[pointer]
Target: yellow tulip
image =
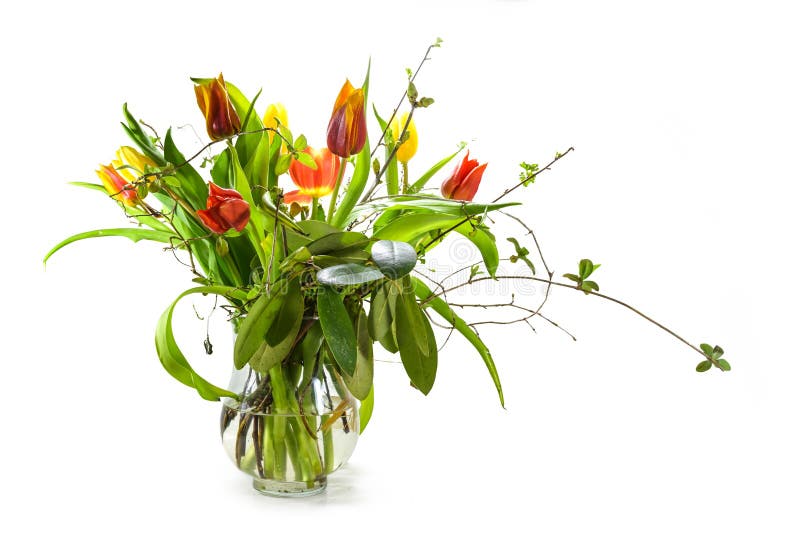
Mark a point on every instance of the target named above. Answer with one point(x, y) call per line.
point(132, 159)
point(409, 147)
point(275, 115)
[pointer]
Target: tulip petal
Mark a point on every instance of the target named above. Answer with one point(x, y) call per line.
point(297, 197)
point(236, 213)
point(337, 133)
point(217, 192)
point(212, 220)
point(467, 189)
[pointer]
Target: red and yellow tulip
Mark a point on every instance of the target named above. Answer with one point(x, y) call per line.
point(464, 181)
point(116, 185)
point(313, 183)
point(213, 100)
point(225, 209)
point(347, 129)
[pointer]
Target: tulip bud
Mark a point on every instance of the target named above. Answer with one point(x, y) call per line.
point(347, 129)
point(409, 146)
point(464, 181)
point(213, 100)
point(225, 209)
point(117, 187)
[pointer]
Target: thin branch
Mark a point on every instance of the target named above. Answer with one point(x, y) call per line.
point(533, 176)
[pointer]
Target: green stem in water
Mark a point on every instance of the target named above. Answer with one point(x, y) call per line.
point(335, 193)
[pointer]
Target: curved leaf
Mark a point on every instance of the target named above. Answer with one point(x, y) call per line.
point(440, 306)
point(485, 242)
point(338, 242)
point(170, 354)
point(394, 258)
point(348, 274)
point(365, 411)
point(134, 234)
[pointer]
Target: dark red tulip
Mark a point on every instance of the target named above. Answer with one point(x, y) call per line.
point(347, 129)
point(225, 209)
point(221, 118)
point(464, 182)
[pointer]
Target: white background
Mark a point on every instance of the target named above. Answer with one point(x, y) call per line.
point(684, 116)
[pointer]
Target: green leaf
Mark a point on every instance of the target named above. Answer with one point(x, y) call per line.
point(707, 349)
point(365, 411)
point(589, 286)
point(360, 384)
point(443, 309)
point(522, 254)
point(724, 365)
point(423, 180)
point(292, 306)
point(300, 144)
point(338, 329)
point(394, 258)
point(485, 242)
point(282, 166)
point(305, 159)
point(134, 234)
point(348, 256)
point(140, 138)
point(338, 242)
point(427, 204)
point(348, 274)
point(255, 325)
point(585, 268)
point(193, 187)
point(573, 277)
point(381, 311)
point(703, 365)
point(408, 228)
point(172, 358)
point(413, 339)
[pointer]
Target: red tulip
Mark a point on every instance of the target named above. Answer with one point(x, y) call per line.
point(464, 182)
point(115, 185)
point(221, 118)
point(347, 129)
point(225, 209)
point(313, 182)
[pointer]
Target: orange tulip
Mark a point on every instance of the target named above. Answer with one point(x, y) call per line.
point(464, 182)
point(313, 183)
point(221, 118)
point(115, 185)
point(347, 129)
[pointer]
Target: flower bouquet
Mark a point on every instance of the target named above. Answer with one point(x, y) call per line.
point(313, 277)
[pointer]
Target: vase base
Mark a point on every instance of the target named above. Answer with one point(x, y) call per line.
point(289, 489)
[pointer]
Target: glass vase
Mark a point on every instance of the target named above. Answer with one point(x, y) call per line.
point(291, 428)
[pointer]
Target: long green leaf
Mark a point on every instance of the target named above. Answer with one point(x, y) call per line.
point(423, 180)
point(440, 306)
point(140, 138)
point(408, 228)
point(172, 357)
point(136, 214)
point(134, 234)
